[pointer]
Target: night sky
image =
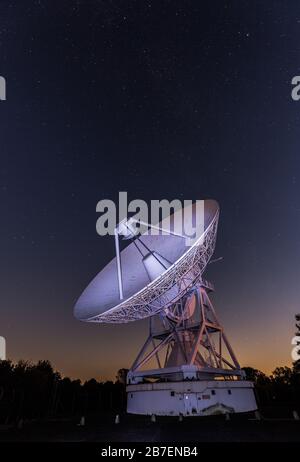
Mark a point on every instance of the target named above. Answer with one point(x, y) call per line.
point(162, 99)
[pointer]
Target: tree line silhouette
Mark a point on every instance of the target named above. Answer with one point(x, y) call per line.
point(37, 391)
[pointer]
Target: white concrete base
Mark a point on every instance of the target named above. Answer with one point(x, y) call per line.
point(191, 398)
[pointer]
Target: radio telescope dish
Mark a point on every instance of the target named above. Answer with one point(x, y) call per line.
point(153, 272)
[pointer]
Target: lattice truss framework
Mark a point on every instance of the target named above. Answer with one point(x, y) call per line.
point(184, 275)
point(201, 339)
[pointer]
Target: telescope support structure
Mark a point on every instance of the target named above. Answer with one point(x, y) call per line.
point(187, 365)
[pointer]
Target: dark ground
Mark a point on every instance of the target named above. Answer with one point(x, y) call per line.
point(165, 429)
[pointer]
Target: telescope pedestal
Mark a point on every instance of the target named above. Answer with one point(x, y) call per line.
point(187, 365)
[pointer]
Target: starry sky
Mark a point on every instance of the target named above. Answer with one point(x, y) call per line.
point(162, 99)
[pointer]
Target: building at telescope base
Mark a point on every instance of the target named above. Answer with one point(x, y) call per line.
point(190, 396)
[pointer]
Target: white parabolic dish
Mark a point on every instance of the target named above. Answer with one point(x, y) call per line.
point(100, 301)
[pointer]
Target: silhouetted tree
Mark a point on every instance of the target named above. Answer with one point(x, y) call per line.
point(122, 375)
point(282, 375)
point(262, 384)
point(256, 376)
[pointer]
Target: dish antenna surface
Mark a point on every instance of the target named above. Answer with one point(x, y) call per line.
point(186, 365)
